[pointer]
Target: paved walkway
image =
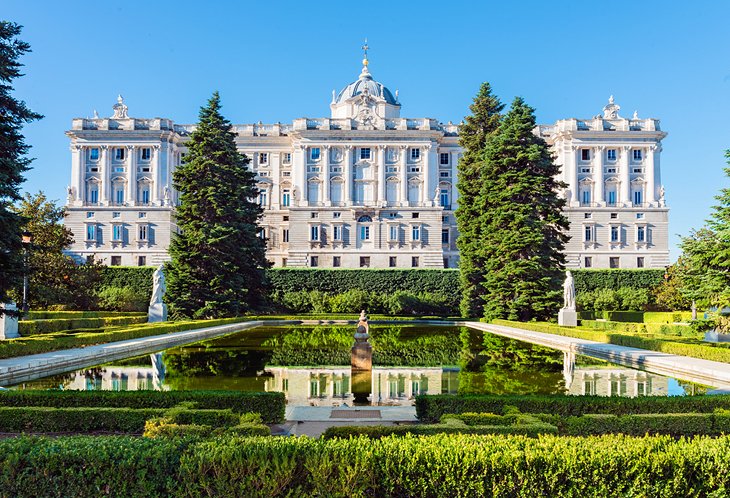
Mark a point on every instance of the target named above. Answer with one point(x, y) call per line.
point(23, 368)
point(314, 420)
point(712, 373)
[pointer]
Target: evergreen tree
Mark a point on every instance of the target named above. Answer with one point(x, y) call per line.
point(13, 163)
point(523, 230)
point(218, 259)
point(706, 253)
point(473, 135)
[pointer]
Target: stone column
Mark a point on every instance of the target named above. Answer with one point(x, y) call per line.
point(299, 176)
point(131, 175)
point(78, 174)
point(275, 201)
point(325, 174)
point(105, 175)
point(403, 175)
point(650, 179)
point(155, 188)
point(625, 195)
point(426, 187)
point(598, 175)
point(454, 172)
point(573, 176)
point(380, 193)
point(347, 176)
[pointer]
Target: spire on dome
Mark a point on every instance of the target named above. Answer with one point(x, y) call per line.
point(365, 73)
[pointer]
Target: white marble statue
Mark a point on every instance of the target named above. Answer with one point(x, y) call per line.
point(158, 286)
point(569, 292)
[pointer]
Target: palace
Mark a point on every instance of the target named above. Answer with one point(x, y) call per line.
point(364, 187)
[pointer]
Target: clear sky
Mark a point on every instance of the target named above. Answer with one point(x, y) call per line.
point(276, 61)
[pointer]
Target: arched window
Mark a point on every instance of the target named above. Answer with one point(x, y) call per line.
point(143, 192)
point(364, 219)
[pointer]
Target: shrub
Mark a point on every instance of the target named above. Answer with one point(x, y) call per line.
point(215, 418)
point(352, 301)
point(122, 299)
point(605, 300)
point(633, 299)
point(614, 279)
point(43, 419)
point(270, 406)
point(430, 408)
point(52, 315)
point(379, 431)
point(49, 326)
point(248, 429)
point(138, 278)
point(584, 301)
point(164, 427)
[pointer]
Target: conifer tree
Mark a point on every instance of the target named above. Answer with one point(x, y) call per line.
point(13, 161)
point(218, 259)
point(473, 135)
point(523, 230)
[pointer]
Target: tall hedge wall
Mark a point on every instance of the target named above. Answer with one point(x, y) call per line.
point(590, 280)
point(337, 281)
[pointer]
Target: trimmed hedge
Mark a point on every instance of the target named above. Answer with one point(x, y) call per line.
point(138, 278)
point(54, 315)
point(640, 328)
point(674, 424)
point(44, 419)
point(430, 408)
point(435, 466)
point(665, 317)
point(591, 280)
point(61, 340)
point(379, 431)
point(49, 326)
point(270, 405)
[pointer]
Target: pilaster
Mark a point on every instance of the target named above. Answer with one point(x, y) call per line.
point(598, 182)
point(325, 174)
point(347, 176)
point(131, 175)
point(105, 174)
point(403, 167)
point(650, 174)
point(624, 178)
point(380, 193)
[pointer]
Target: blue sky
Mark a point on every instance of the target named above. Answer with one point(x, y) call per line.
point(276, 61)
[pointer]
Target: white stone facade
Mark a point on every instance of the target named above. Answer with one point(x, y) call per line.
point(362, 188)
point(615, 200)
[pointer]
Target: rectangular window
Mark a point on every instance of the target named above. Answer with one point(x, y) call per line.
point(416, 232)
point(364, 233)
point(142, 232)
point(414, 261)
point(585, 170)
point(364, 152)
point(119, 153)
point(392, 261)
point(263, 158)
point(638, 198)
point(586, 197)
point(117, 232)
point(639, 216)
point(444, 158)
point(337, 232)
point(141, 260)
point(587, 216)
point(585, 154)
point(145, 195)
point(415, 154)
point(613, 262)
point(445, 236)
point(588, 233)
point(285, 235)
point(119, 169)
point(588, 262)
point(146, 153)
point(285, 198)
point(261, 233)
point(446, 262)
point(610, 170)
point(315, 153)
point(89, 214)
point(336, 261)
point(142, 214)
point(615, 234)
point(637, 155)
point(116, 261)
point(91, 232)
point(314, 261)
point(314, 233)
point(94, 154)
point(414, 215)
point(444, 198)
point(119, 195)
point(444, 219)
point(640, 262)
point(314, 215)
point(286, 158)
point(640, 234)
point(263, 197)
point(393, 233)
point(637, 170)
point(611, 154)
point(614, 216)
point(336, 214)
point(444, 174)
point(364, 261)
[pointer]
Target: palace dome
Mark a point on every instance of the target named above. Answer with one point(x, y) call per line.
point(366, 83)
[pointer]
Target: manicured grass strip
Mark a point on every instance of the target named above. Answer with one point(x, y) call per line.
point(48, 326)
point(435, 466)
point(431, 408)
point(664, 345)
point(271, 406)
point(64, 340)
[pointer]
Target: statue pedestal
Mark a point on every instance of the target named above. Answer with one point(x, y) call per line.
point(568, 318)
point(362, 356)
point(157, 313)
point(9, 324)
point(361, 386)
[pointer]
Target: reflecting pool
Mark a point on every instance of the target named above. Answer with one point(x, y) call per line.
point(311, 364)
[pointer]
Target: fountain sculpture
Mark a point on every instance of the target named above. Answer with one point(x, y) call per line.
point(362, 361)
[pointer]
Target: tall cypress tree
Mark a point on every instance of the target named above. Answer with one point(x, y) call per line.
point(523, 227)
point(218, 260)
point(473, 135)
point(13, 161)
